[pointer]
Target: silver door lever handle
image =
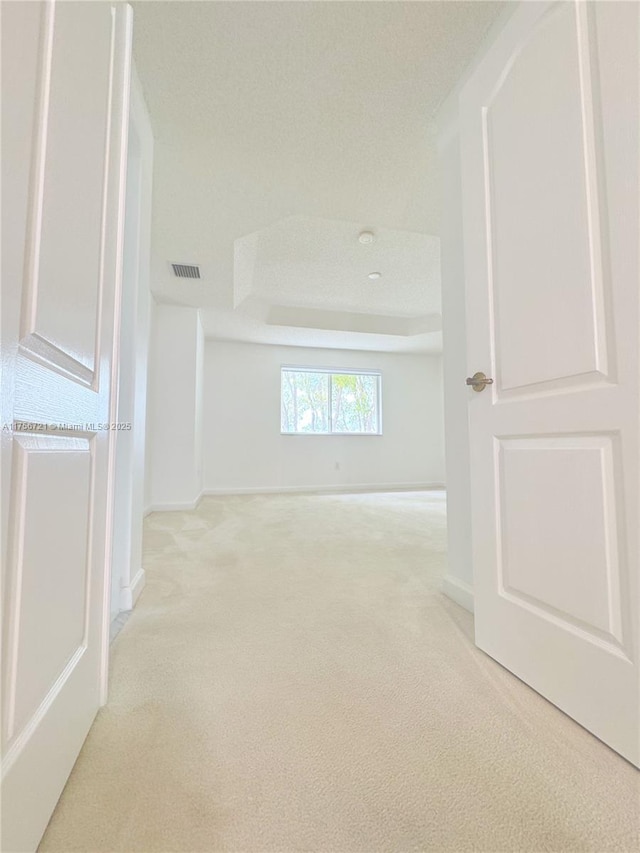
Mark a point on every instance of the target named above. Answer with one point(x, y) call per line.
point(479, 381)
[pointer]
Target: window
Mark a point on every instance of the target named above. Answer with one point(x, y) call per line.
point(324, 402)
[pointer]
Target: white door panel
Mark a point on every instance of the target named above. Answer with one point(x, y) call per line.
point(73, 184)
point(526, 165)
point(541, 562)
point(549, 130)
point(40, 647)
point(65, 102)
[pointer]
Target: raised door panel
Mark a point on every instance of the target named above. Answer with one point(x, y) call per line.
point(560, 554)
point(65, 249)
point(542, 159)
point(49, 571)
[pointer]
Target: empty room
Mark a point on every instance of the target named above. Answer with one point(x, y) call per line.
point(320, 426)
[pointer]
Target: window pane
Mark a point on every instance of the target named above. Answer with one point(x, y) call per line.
point(354, 403)
point(305, 401)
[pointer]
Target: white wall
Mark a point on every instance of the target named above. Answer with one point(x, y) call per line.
point(153, 307)
point(243, 447)
point(127, 576)
point(199, 405)
point(458, 582)
point(174, 461)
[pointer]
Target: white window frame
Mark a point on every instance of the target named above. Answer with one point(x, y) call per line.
point(348, 371)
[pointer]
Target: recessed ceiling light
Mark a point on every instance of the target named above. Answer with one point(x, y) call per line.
point(366, 237)
point(374, 275)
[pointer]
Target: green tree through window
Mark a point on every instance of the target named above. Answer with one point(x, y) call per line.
point(323, 402)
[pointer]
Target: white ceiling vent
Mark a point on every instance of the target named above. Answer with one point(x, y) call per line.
point(186, 270)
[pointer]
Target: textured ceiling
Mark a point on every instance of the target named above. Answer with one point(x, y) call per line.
point(319, 263)
point(271, 114)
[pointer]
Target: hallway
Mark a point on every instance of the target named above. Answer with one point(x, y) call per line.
point(293, 679)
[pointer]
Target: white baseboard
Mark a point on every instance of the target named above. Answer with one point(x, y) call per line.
point(137, 585)
point(296, 490)
point(458, 591)
point(341, 489)
point(177, 507)
point(130, 594)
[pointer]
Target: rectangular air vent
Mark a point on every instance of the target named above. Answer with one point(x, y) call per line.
point(186, 270)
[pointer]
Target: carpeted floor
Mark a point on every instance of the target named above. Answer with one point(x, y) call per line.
point(293, 680)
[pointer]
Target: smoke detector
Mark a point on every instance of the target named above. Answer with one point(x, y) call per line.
point(374, 275)
point(366, 237)
point(186, 270)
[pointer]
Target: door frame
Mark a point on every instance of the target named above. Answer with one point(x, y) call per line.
point(115, 362)
point(126, 563)
point(458, 582)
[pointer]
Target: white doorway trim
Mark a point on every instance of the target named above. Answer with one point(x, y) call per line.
point(127, 573)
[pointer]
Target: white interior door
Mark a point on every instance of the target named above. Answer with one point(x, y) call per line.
point(549, 146)
point(65, 79)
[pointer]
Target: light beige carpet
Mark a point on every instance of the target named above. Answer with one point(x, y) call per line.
point(293, 680)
